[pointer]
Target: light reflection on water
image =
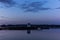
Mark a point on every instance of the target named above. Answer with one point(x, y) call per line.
point(51, 34)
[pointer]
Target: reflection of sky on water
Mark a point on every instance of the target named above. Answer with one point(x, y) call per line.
point(52, 34)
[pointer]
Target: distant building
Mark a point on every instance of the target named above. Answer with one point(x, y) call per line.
point(28, 25)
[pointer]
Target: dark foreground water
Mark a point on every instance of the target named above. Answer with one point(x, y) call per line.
point(51, 34)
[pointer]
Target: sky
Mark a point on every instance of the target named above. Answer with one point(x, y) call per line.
point(30, 11)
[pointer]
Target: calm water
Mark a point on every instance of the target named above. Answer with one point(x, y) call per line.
point(51, 34)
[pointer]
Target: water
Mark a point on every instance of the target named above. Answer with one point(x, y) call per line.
point(51, 34)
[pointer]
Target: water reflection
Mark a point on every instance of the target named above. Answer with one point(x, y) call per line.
point(51, 34)
point(28, 31)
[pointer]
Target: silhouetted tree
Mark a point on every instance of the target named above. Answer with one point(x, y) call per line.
point(3, 25)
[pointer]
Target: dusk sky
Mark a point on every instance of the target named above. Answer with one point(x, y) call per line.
point(33, 11)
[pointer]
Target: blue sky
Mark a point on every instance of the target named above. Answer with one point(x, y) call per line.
point(46, 13)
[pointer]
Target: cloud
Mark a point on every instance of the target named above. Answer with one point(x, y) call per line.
point(27, 7)
point(44, 8)
point(59, 0)
point(34, 6)
point(7, 2)
point(3, 17)
point(58, 8)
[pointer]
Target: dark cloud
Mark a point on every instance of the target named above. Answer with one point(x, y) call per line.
point(34, 6)
point(36, 10)
point(7, 2)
